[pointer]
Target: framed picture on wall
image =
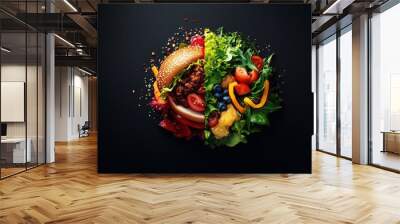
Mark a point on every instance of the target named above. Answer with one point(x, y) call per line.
point(205, 88)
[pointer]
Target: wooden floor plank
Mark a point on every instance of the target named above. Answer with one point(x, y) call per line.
point(71, 191)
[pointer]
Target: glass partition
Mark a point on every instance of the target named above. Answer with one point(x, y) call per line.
point(14, 152)
point(22, 101)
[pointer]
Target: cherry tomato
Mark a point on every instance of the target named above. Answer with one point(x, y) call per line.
point(242, 89)
point(241, 75)
point(189, 123)
point(257, 61)
point(253, 76)
point(212, 122)
point(197, 40)
point(195, 102)
point(213, 119)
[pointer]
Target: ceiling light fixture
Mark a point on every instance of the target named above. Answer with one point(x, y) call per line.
point(70, 5)
point(331, 7)
point(337, 7)
point(65, 41)
point(5, 50)
point(84, 71)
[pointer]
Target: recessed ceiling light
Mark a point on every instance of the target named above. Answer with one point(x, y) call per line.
point(84, 71)
point(5, 50)
point(338, 6)
point(64, 40)
point(70, 5)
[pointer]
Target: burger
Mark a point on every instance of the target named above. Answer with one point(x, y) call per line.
point(179, 90)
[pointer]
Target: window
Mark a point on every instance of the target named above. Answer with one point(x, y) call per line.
point(327, 95)
point(346, 92)
point(385, 88)
point(334, 106)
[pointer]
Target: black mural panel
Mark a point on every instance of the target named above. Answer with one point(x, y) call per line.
point(274, 138)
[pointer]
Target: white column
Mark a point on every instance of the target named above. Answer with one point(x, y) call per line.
point(50, 99)
point(360, 90)
point(50, 92)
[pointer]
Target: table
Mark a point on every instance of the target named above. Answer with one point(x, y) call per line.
point(391, 141)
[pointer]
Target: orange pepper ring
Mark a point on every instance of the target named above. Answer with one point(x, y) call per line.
point(235, 102)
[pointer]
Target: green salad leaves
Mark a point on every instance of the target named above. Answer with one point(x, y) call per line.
point(224, 51)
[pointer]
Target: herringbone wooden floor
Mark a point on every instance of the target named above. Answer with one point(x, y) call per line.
point(70, 191)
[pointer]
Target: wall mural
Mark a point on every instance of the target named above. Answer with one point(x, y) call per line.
point(204, 88)
point(214, 86)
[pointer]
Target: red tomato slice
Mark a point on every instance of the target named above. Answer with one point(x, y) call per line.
point(257, 61)
point(168, 125)
point(253, 76)
point(242, 89)
point(178, 129)
point(241, 75)
point(183, 131)
point(195, 102)
point(189, 123)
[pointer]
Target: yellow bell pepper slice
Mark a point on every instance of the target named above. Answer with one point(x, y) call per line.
point(233, 97)
point(156, 90)
point(154, 69)
point(157, 93)
point(263, 100)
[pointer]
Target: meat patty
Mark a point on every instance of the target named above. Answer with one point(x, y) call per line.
point(191, 83)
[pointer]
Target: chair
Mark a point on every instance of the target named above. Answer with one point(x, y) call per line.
point(84, 130)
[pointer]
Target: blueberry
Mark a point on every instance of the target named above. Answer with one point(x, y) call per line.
point(227, 99)
point(217, 89)
point(225, 93)
point(218, 95)
point(221, 106)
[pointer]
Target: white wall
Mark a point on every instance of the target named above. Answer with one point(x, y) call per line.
point(62, 82)
point(81, 97)
point(71, 102)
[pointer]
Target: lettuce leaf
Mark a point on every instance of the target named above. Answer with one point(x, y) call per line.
point(258, 86)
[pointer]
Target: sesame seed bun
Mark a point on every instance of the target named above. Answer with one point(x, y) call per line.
point(176, 62)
